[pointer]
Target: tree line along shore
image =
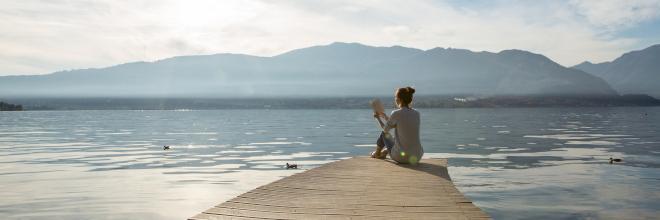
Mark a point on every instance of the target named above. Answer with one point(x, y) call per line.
point(10, 107)
point(454, 101)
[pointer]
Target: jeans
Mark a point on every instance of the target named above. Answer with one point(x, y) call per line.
point(384, 141)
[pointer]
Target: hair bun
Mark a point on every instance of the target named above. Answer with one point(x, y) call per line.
point(411, 90)
point(404, 96)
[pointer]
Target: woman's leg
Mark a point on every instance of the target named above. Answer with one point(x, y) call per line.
point(382, 142)
point(389, 143)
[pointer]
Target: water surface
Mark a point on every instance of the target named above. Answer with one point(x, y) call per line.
point(515, 163)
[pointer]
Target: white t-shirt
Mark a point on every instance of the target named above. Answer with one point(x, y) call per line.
point(407, 147)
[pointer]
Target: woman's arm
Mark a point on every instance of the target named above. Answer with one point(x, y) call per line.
point(389, 126)
point(378, 118)
point(391, 122)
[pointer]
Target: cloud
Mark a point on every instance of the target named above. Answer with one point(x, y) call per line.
point(45, 36)
point(615, 14)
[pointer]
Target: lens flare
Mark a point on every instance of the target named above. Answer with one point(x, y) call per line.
point(413, 160)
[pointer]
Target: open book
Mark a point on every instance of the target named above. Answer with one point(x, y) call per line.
point(379, 109)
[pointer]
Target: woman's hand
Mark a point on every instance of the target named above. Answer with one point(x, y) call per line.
point(381, 114)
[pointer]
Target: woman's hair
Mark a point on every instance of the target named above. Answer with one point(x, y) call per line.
point(405, 95)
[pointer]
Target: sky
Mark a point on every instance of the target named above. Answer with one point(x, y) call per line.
point(44, 36)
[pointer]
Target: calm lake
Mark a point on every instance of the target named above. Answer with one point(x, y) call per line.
point(515, 163)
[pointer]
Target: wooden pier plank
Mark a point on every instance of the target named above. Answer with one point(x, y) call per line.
point(355, 188)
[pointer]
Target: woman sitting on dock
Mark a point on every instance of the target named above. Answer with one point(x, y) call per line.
point(405, 147)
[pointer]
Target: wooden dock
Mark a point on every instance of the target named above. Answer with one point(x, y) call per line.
point(356, 188)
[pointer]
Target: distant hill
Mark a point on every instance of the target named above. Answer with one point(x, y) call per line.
point(636, 72)
point(338, 69)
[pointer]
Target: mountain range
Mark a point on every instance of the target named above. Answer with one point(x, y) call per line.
point(334, 70)
point(635, 72)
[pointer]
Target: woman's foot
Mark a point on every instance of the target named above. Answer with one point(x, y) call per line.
point(377, 153)
point(383, 154)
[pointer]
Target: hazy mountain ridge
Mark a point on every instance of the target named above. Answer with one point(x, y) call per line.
point(635, 72)
point(338, 69)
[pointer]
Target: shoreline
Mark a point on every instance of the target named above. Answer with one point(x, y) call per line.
point(449, 102)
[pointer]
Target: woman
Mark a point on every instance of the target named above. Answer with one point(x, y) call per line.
point(405, 146)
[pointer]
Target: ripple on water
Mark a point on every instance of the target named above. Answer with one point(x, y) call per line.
point(592, 143)
point(191, 133)
point(564, 153)
point(280, 143)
